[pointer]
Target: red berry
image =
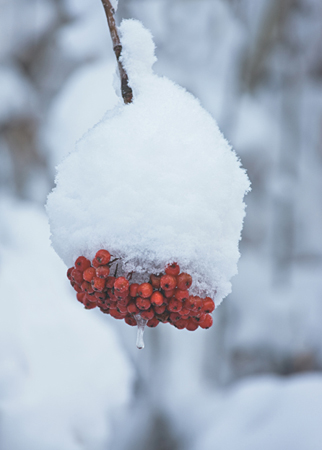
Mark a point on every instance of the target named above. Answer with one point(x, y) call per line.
point(198, 304)
point(121, 284)
point(86, 287)
point(98, 284)
point(145, 290)
point(82, 263)
point(181, 324)
point(132, 308)
point(172, 269)
point(80, 296)
point(184, 311)
point(143, 303)
point(169, 294)
point(134, 289)
point(88, 304)
point(77, 276)
point(148, 314)
point(208, 305)
point(168, 282)
point(77, 287)
point(152, 323)
point(157, 298)
point(174, 305)
point(184, 281)
point(207, 322)
point(191, 326)
point(190, 302)
point(159, 309)
point(69, 273)
point(155, 281)
point(199, 317)
point(89, 274)
point(100, 296)
point(130, 321)
point(174, 316)
point(116, 314)
point(181, 295)
point(110, 282)
point(91, 298)
point(102, 257)
point(121, 295)
point(164, 317)
point(121, 308)
point(102, 271)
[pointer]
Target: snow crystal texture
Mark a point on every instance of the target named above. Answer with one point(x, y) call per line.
point(154, 182)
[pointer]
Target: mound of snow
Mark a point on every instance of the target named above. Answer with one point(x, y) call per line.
point(154, 182)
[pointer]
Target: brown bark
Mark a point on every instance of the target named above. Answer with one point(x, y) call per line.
point(117, 47)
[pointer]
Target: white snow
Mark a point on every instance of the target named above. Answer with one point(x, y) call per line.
point(63, 375)
point(154, 182)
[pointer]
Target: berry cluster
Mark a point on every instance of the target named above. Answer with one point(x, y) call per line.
point(165, 298)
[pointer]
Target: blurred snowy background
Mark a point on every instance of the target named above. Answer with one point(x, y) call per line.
point(72, 379)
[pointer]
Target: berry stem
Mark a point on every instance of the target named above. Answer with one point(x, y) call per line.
point(117, 47)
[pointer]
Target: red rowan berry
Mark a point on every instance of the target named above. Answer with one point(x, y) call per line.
point(130, 321)
point(98, 284)
point(88, 304)
point(198, 304)
point(184, 311)
point(69, 273)
point(169, 294)
point(184, 281)
point(77, 276)
point(82, 263)
point(102, 271)
point(207, 322)
point(89, 274)
point(121, 295)
point(132, 308)
point(159, 309)
point(77, 287)
point(152, 323)
point(208, 305)
point(145, 290)
point(80, 297)
point(121, 308)
point(86, 287)
point(142, 303)
point(91, 298)
point(174, 305)
point(191, 326)
point(157, 298)
point(116, 314)
point(155, 281)
point(121, 284)
point(102, 257)
point(168, 282)
point(172, 269)
point(190, 302)
point(148, 314)
point(181, 295)
point(134, 289)
point(181, 324)
point(100, 296)
point(198, 318)
point(174, 316)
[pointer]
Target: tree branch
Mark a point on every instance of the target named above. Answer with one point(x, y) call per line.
point(117, 47)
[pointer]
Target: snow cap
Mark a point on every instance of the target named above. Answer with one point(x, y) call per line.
point(154, 182)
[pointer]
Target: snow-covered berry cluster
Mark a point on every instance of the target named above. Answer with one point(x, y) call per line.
point(165, 298)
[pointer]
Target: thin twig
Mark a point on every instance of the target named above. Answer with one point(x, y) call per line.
point(117, 47)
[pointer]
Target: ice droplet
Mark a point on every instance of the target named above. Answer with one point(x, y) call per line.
point(141, 326)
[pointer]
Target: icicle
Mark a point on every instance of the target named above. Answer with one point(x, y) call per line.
point(141, 326)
